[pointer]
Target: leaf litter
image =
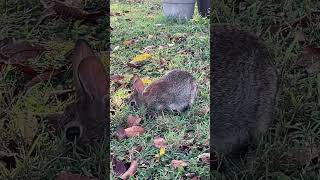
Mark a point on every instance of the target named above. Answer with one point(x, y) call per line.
point(122, 169)
point(59, 8)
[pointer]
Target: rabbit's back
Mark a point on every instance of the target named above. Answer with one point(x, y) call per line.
point(176, 90)
point(244, 85)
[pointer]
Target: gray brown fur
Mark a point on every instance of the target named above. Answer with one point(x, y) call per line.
point(88, 112)
point(175, 91)
point(243, 90)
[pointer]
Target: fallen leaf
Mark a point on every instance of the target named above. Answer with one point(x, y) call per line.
point(148, 49)
point(133, 65)
point(191, 176)
point(146, 80)
point(64, 175)
point(186, 52)
point(119, 167)
point(121, 133)
point(178, 38)
point(178, 163)
point(131, 171)
point(302, 21)
point(116, 78)
point(45, 76)
point(310, 60)
point(133, 120)
point(203, 110)
point(134, 131)
point(305, 154)
point(162, 46)
point(159, 142)
point(204, 158)
point(162, 151)
point(16, 52)
point(128, 42)
point(140, 58)
point(59, 8)
point(26, 69)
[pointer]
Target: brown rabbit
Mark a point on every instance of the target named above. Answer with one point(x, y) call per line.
point(243, 89)
point(175, 91)
point(85, 119)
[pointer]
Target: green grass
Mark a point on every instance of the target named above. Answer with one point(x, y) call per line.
point(145, 22)
point(43, 156)
point(297, 120)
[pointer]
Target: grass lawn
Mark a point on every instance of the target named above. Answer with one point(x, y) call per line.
point(140, 27)
point(290, 150)
point(27, 149)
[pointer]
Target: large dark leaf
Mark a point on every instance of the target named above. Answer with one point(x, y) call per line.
point(45, 76)
point(59, 8)
point(15, 52)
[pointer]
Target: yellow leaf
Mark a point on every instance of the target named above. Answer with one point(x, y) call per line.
point(141, 57)
point(162, 151)
point(146, 81)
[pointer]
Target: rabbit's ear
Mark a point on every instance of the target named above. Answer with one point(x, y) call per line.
point(92, 77)
point(137, 84)
point(81, 51)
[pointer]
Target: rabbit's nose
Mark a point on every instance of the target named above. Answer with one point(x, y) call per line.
point(73, 133)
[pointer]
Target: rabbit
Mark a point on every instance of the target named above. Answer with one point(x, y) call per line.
point(175, 91)
point(243, 89)
point(85, 119)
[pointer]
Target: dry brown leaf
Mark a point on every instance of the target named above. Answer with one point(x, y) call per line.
point(69, 11)
point(133, 120)
point(131, 171)
point(15, 52)
point(204, 158)
point(128, 42)
point(203, 110)
point(134, 131)
point(116, 78)
point(178, 163)
point(133, 65)
point(310, 60)
point(121, 133)
point(159, 142)
point(45, 76)
point(304, 155)
point(64, 175)
point(119, 167)
point(26, 69)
